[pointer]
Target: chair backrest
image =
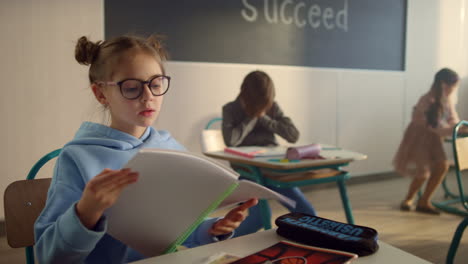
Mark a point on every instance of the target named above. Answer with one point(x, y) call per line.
point(212, 139)
point(23, 202)
point(460, 154)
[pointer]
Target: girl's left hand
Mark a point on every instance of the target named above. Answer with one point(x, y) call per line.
point(233, 219)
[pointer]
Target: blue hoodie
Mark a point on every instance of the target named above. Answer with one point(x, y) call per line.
point(60, 236)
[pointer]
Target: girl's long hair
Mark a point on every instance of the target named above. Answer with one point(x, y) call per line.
point(436, 109)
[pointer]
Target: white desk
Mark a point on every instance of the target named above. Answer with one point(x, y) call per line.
point(246, 245)
point(334, 158)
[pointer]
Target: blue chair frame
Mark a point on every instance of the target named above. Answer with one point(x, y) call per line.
point(449, 205)
point(29, 250)
point(213, 121)
point(253, 173)
point(447, 192)
point(462, 198)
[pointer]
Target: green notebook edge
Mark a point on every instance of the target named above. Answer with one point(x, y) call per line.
point(200, 219)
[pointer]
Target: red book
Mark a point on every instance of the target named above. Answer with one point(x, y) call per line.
point(285, 252)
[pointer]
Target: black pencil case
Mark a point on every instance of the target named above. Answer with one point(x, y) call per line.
point(326, 233)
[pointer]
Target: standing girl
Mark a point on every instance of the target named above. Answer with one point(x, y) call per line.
point(254, 119)
point(127, 77)
point(421, 154)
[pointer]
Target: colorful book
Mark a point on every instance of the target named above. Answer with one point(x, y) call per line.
point(285, 252)
point(175, 192)
point(257, 151)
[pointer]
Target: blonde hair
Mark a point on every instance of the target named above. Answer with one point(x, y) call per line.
point(103, 56)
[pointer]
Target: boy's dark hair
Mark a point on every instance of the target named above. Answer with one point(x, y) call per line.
point(257, 93)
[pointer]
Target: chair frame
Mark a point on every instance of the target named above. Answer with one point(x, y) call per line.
point(212, 121)
point(447, 192)
point(29, 250)
point(447, 205)
point(461, 198)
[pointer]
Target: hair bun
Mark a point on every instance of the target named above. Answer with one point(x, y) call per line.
point(157, 42)
point(86, 51)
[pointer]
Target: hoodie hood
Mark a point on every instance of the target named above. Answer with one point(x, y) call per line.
point(97, 146)
point(97, 134)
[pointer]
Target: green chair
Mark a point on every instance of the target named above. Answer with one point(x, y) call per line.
point(24, 201)
point(212, 139)
point(460, 153)
point(288, 179)
point(447, 192)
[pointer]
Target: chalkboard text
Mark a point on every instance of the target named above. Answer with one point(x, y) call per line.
point(290, 12)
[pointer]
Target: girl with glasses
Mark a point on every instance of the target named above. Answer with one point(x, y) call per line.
point(127, 77)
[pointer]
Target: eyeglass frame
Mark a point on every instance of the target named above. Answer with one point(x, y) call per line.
point(119, 83)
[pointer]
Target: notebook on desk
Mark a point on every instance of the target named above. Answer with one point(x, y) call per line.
point(258, 151)
point(173, 195)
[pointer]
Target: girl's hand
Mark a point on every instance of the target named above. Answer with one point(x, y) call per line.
point(101, 193)
point(233, 219)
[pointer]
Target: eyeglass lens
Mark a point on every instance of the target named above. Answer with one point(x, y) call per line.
point(132, 89)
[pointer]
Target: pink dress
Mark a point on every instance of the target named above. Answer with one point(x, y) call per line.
point(421, 145)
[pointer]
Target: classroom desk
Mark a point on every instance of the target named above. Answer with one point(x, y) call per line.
point(249, 244)
point(254, 169)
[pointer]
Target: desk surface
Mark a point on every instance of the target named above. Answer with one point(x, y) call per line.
point(246, 245)
point(332, 157)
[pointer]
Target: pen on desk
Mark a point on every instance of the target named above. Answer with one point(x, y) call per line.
point(333, 148)
point(283, 160)
point(257, 151)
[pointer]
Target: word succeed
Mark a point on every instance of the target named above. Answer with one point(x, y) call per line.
point(297, 13)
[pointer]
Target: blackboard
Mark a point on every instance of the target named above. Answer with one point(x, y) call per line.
point(357, 34)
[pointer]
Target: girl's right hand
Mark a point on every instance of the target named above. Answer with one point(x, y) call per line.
point(101, 193)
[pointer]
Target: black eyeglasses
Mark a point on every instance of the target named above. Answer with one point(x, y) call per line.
point(133, 88)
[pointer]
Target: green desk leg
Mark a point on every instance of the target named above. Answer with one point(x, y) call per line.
point(456, 240)
point(266, 214)
point(254, 173)
point(345, 200)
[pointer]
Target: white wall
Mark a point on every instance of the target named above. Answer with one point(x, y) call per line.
point(46, 95)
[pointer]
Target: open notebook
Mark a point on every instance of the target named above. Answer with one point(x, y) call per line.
point(174, 194)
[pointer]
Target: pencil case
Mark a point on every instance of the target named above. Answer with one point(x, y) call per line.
point(326, 233)
point(303, 152)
